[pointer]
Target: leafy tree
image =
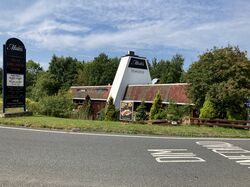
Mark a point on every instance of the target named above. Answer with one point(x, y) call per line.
point(141, 112)
point(176, 69)
point(64, 70)
point(223, 75)
point(168, 71)
point(100, 71)
point(46, 85)
point(33, 69)
point(110, 111)
point(156, 108)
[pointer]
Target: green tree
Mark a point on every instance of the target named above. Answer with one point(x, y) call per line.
point(33, 69)
point(208, 110)
point(64, 70)
point(46, 85)
point(168, 71)
point(156, 108)
point(110, 111)
point(223, 75)
point(141, 112)
point(100, 71)
point(176, 69)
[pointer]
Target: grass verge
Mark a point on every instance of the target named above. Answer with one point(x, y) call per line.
point(119, 127)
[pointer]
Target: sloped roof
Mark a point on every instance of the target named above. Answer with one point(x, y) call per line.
point(169, 92)
point(94, 92)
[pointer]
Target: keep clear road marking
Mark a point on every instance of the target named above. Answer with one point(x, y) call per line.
point(227, 150)
point(174, 155)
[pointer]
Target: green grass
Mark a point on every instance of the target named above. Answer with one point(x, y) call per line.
point(125, 128)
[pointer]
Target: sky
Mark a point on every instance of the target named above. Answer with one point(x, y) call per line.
point(159, 28)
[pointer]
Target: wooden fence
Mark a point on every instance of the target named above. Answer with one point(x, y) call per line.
point(241, 124)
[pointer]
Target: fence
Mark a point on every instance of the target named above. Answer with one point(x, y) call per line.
point(241, 124)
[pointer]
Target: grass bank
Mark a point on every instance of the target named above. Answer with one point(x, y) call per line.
point(119, 127)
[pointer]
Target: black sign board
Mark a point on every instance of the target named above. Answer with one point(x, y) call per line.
point(14, 74)
point(137, 63)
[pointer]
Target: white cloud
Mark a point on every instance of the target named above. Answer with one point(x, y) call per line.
point(136, 24)
point(36, 11)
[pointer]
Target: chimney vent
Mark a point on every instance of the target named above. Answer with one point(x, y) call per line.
point(131, 53)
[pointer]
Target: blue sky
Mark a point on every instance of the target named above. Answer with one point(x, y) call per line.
point(157, 28)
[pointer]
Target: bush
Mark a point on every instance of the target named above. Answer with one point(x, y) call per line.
point(86, 110)
point(101, 115)
point(140, 114)
point(208, 110)
point(32, 106)
point(59, 105)
point(156, 108)
point(175, 112)
point(111, 114)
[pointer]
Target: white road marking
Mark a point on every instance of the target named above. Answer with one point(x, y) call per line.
point(174, 156)
point(229, 151)
point(119, 135)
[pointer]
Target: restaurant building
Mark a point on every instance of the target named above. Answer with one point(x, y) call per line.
point(132, 84)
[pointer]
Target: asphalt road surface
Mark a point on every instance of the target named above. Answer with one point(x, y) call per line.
point(43, 158)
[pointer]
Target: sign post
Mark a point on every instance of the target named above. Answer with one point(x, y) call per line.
point(14, 74)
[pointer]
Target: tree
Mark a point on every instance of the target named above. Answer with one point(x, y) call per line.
point(64, 70)
point(33, 69)
point(222, 74)
point(100, 71)
point(110, 111)
point(46, 85)
point(176, 69)
point(156, 108)
point(141, 112)
point(208, 110)
point(168, 71)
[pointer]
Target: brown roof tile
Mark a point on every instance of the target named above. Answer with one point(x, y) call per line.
point(169, 92)
point(95, 92)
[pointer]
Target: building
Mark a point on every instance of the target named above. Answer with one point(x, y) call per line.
point(132, 84)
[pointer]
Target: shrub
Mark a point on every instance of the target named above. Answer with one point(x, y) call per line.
point(59, 105)
point(111, 114)
point(156, 108)
point(32, 105)
point(140, 114)
point(175, 112)
point(86, 110)
point(208, 110)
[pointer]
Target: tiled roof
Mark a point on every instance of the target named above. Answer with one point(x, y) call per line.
point(169, 92)
point(94, 92)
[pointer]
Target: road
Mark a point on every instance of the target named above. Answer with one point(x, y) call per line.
point(44, 158)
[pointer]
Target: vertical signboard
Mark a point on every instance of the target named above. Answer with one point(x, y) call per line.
point(126, 110)
point(14, 74)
